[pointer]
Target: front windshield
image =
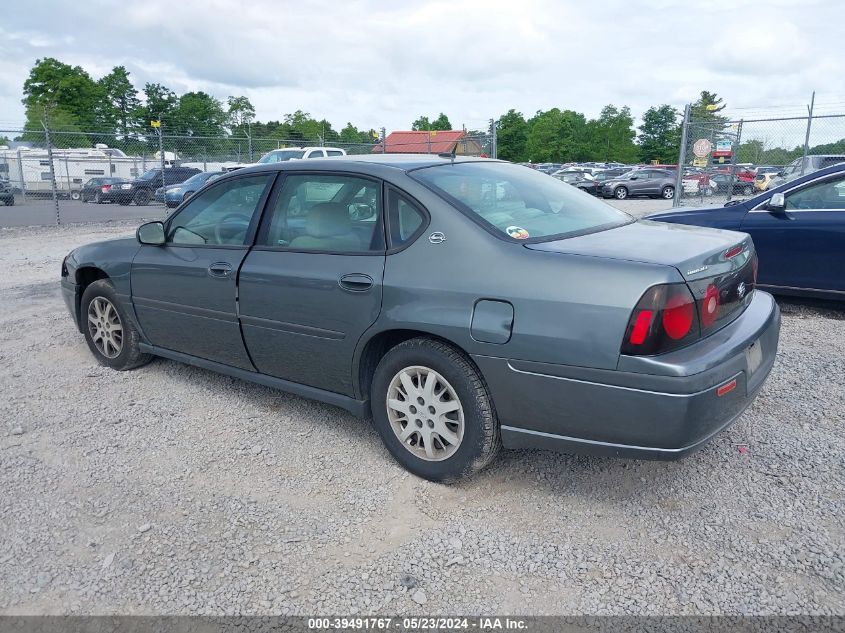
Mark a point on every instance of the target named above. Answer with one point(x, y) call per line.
point(196, 179)
point(519, 203)
point(281, 155)
point(149, 175)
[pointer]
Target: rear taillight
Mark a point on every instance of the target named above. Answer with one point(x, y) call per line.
point(105, 188)
point(665, 319)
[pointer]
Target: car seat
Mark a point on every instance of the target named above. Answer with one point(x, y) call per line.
point(328, 228)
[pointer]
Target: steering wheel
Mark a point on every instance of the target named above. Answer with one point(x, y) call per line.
point(227, 219)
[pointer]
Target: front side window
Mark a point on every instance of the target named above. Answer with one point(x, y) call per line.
point(329, 213)
point(828, 194)
point(219, 215)
point(517, 203)
point(317, 153)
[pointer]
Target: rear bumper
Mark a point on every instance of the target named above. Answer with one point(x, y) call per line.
point(666, 413)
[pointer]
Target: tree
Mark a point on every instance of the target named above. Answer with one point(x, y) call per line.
point(63, 96)
point(160, 102)
point(240, 115)
point(705, 120)
point(511, 136)
point(440, 123)
point(556, 136)
point(120, 108)
point(612, 135)
point(660, 135)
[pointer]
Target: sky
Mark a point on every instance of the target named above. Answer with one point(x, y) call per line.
point(384, 63)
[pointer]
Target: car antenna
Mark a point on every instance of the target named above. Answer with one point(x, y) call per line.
point(450, 155)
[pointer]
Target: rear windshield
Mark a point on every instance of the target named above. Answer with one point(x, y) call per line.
point(519, 203)
point(280, 156)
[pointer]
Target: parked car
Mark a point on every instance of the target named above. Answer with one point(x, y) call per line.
point(7, 195)
point(93, 189)
point(742, 185)
point(294, 153)
point(578, 180)
point(141, 190)
point(764, 180)
point(174, 195)
point(348, 281)
point(798, 229)
point(808, 164)
point(641, 182)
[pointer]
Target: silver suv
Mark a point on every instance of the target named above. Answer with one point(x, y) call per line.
point(641, 182)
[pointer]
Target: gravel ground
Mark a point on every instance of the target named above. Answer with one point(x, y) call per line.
point(172, 490)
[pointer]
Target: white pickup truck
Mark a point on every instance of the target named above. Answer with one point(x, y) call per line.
point(294, 153)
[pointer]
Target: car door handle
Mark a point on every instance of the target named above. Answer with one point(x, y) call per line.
point(220, 269)
point(356, 282)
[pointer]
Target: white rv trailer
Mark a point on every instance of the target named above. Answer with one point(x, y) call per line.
point(28, 169)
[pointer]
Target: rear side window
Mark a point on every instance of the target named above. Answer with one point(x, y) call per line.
point(517, 203)
point(405, 219)
point(317, 153)
point(328, 213)
point(334, 152)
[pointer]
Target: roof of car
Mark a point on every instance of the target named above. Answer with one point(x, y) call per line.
point(404, 162)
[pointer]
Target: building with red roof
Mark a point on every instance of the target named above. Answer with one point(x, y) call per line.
point(430, 142)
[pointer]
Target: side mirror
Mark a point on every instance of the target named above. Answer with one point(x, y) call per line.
point(634, 177)
point(151, 233)
point(777, 203)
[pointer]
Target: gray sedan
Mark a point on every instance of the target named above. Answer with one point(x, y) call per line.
point(464, 304)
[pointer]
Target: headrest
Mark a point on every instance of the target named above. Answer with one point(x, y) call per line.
point(328, 219)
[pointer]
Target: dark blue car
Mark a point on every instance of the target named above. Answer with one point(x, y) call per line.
point(798, 230)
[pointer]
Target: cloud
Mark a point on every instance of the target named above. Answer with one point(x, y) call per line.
point(383, 64)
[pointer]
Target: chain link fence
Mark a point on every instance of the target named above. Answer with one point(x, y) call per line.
point(55, 176)
point(724, 158)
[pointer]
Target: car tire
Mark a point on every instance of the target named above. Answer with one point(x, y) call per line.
point(110, 334)
point(709, 191)
point(75, 195)
point(747, 190)
point(97, 199)
point(142, 197)
point(668, 192)
point(467, 413)
point(620, 193)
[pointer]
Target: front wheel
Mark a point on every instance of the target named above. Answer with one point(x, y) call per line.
point(668, 193)
point(432, 409)
point(75, 195)
point(110, 335)
point(620, 193)
point(747, 190)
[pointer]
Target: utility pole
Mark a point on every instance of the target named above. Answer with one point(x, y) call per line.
point(679, 178)
point(157, 125)
point(383, 140)
point(807, 136)
point(46, 124)
point(493, 148)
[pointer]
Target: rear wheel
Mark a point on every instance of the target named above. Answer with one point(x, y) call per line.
point(110, 335)
point(433, 412)
point(142, 198)
point(668, 192)
point(620, 193)
point(75, 195)
point(747, 190)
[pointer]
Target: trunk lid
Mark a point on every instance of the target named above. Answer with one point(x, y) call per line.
point(695, 252)
point(713, 262)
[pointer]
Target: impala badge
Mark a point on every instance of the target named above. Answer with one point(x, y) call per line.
point(697, 270)
point(437, 237)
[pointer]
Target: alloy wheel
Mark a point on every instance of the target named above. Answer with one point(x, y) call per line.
point(668, 193)
point(621, 193)
point(105, 327)
point(425, 413)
